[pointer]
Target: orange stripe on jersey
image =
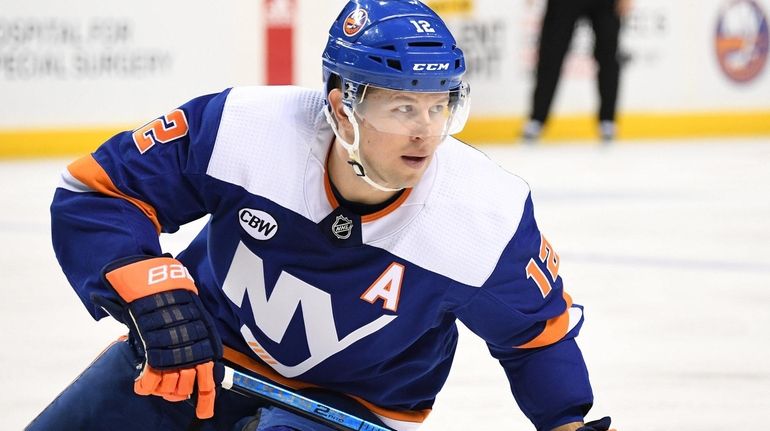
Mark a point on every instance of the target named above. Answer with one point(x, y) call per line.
point(238, 358)
point(329, 194)
point(417, 416)
point(555, 329)
point(369, 217)
point(388, 209)
point(89, 172)
point(327, 184)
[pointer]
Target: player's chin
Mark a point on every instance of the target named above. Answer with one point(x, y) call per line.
point(408, 180)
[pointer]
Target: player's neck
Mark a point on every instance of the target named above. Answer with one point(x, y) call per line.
point(348, 184)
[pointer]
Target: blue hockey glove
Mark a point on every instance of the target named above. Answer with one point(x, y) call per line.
point(158, 301)
point(602, 424)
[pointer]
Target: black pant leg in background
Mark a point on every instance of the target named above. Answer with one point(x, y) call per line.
point(555, 37)
point(606, 25)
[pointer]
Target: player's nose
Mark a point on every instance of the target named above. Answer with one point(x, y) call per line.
point(421, 128)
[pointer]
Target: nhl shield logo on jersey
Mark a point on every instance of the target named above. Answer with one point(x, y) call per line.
point(354, 22)
point(342, 227)
point(258, 224)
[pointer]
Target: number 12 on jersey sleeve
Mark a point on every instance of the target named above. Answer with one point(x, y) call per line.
point(548, 256)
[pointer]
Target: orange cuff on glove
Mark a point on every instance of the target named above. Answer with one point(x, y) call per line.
point(150, 276)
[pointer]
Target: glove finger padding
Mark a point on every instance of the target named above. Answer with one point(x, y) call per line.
point(207, 393)
point(181, 342)
point(148, 381)
point(183, 333)
point(186, 383)
point(178, 385)
point(166, 308)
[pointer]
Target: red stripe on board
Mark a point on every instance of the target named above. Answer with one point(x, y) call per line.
point(279, 45)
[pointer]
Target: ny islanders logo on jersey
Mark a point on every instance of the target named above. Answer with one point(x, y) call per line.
point(289, 296)
point(354, 22)
point(258, 224)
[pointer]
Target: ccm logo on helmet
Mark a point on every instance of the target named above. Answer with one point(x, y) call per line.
point(430, 66)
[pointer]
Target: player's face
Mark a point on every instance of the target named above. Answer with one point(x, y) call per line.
point(400, 132)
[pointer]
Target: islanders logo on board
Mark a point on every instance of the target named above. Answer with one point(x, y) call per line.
point(742, 40)
point(354, 22)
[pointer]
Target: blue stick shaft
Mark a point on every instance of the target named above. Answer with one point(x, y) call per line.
point(250, 385)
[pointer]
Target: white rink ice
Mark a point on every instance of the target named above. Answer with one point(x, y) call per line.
point(667, 244)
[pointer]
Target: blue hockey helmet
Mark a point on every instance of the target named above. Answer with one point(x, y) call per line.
point(393, 44)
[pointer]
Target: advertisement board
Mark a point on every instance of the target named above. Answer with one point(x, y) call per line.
point(72, 74)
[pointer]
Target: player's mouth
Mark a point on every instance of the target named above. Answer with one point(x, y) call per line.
point(414, 161)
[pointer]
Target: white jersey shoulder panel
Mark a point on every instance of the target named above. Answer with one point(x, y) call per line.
point(272, 141)
point(264, 141)
point(473, 211)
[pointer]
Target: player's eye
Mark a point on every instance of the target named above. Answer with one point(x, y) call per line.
point(437, 109)
point(404, 109)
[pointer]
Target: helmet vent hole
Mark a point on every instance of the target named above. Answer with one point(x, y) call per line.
point(457, 64)
point(426, 44)
point(414, 83)
point(395, 64)
point(375, 58)
point(389, 47)
point(443, 82)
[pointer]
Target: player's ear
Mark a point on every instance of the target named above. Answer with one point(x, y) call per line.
point(338, 111)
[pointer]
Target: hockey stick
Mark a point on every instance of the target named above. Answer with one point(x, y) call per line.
point(249, 385)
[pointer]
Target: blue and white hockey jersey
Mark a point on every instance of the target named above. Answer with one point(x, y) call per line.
point(313, 293)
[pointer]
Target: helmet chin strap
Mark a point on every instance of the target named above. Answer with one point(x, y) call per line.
point(353, 154)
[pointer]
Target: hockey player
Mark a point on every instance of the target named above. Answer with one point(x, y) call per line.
point(347, 234)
